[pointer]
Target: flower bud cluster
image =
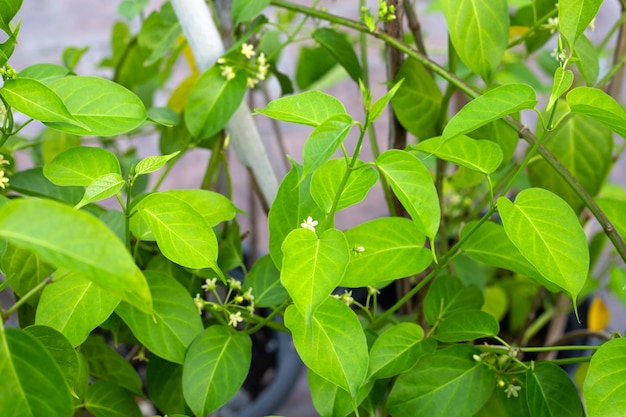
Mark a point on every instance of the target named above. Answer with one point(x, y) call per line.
point(237, 301)
point(4, 181)
point(255, 66)
point(8, 72)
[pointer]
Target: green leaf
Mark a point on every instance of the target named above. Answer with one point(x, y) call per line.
point(313, 267)
point(216, 365)
point(212, 101)
point(292, 205)
point(183, 235)
point(385, 249)
point(447, 296)
point(316, 67)
point(105, 399)
point(563, 80)
point(153, 163)
point(107, 364)
point(103, 187)
point(598, 105)
point(413, 185)
point(81, 166)
point(478, 155)
point(164, 381)
point(33, 385)
point(491, 245)
point(341, 49)
point(38, 101)
point(44, 73)
point(174, 323)
point(603, 387)
point(55, 142)
point(214, 207)
point(8, 10)
point(379, 105)
point(583, 146)
point(104, 107)
point(418, 101)
point(547, 232)
point(32, 182)
point(324, 141)
point(447, 383)
point(244, 10)
point(61, 351)
point(74, 306)
point(23, 271)
point(551, 392)
point(466, 325)
point(614, 209)
point(326, 179)
point(479, 31)
point(575, 16)
point(336, 336)
point(396, 350)
point(264, 279)
point(82, 244)
point(308, 108)
point(159, 32)
point(588, 63)
point(492, 105)
point(498, 132)
point(330, 400)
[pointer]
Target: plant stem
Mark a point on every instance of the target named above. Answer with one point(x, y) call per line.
point(26, 296)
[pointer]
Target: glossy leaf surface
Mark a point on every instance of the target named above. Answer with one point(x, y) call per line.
point(102, 188)
point(81, 166)
point(341, 49)
point(447, 383)
point(493, 105)
point(104, 107)
point(264, 279)
point(547, 232)
point(215, 367)
point(479, 155)
point(605, 380)
point(106, 399)
point(575, 16)
point(153, 163)
point(466, 325)
point(447, 295)
point(413, 185)
point(384, 249)
point(324, 141)
point(313, 267)
point(479, 30)
point(83, 244)
point(308, 108)
point(334, 347)
point(174, 322)
point(598, 105)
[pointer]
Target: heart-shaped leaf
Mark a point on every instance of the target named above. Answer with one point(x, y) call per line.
point(479, 155)
point(308, 108)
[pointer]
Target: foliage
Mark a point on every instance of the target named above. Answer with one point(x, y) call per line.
point(439, 308)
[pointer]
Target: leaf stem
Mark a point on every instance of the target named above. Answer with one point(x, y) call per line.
point(26, 296)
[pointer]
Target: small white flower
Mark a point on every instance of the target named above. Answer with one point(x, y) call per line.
point(252, 82)
point(309, 223)
point(358, 249)
point(512, 391)
point(228, 72)
point(209, 284)
point(248, 296)
point(234, 319)
point(552, 25)
point(234, 284)
point(247, 50)
point(592, 25)
point(372, 291)
point(199, 302)
point(221, 60)
point(4, 180)
point(261, 60)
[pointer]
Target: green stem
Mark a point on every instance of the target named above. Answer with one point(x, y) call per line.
point(267, 321)
point(531, 30)
point(26, 296)
point(168, 168)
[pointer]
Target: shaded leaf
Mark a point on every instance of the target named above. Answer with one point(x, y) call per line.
point(244, 10)
point(324, 141)
point(563, 80)
point(339, 47)
point(447, 383)
point(215, 367)
point(396, 350)
point(551, 392)
point(105, 399)
point(575, 16)
point(164, 381)
point(588, 64)
point(264, 279)
point(174, 322)
point(466, 325)
point(417, 102)
point(447, 295)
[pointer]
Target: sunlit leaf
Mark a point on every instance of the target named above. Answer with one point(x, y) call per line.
point(102, 188)
point(603, 387)
point(81, 166)
point(598, 105)
point(575, 16)
point(466, 325)
point(308, 108)
point(396, 350)
point(324, 141)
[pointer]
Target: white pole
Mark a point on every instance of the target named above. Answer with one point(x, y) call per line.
point(207, 46)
